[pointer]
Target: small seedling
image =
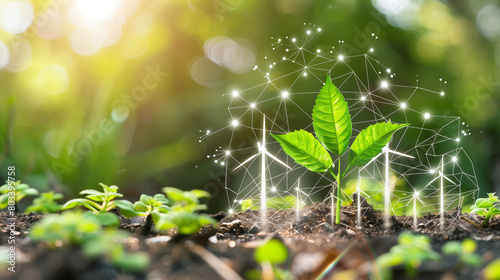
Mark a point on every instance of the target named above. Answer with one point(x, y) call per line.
point(464, 250)
point(182, 214)
point(410, 252)
point(99, 203)
point(270, 255)
point(487, 207)
point(46, 203)
point(333, 127)
point(85, 230)
point(144, 207)
point(14, 191)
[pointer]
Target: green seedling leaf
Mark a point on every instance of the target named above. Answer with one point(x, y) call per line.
point(81, 202)
point(127, 208)
point(452, 248)
point(370, 141)
point(178, 195)
point(492, 270)
point(108, 219)
point(146, 199)
point(139, 206)
point(200, 194)
point(273, 251)
point(331, 119)
point(46, 203)
point(305, 150)
point(132, 262)
point(185, 222)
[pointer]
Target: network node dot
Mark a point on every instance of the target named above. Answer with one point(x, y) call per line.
point(427, 116)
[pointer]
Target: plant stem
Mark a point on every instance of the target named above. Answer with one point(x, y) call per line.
point(339, 178)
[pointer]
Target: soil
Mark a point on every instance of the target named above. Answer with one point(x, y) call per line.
point(219, 252)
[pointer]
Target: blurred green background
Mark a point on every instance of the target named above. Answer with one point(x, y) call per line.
point(117, 91)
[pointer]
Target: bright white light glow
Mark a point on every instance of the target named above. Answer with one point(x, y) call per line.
point(427, 116)
point(371, 50)
point(308, 32)
point(417, 193)
point(454, 159)
point(252, 105)
point(235, 93)
point(235, 123)
point(388, 70)
point(230, 211)
point(93, 12)
point(403, 105)
point(228, 153)
point(384, 84)
point(273, 189)
point(442, 93)
point(285, 94)
point(16, 16)
point(341, 57)
point(363, 98)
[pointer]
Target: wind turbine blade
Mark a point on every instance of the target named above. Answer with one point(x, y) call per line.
point(431, 182)
point(399, 154)
point(373, 159)
point(249, 159)
point(276, 159)
point(441, 174)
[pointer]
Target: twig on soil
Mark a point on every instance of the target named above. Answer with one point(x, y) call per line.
point(478, 226)
point(224, 271)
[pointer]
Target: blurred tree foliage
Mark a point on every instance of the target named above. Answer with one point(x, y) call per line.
point(117, 92)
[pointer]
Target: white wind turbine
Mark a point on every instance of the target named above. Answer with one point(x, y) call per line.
point(263, 152)
point(387, 184)
point(441, 178)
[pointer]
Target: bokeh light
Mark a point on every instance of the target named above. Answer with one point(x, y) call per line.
point(53, 79)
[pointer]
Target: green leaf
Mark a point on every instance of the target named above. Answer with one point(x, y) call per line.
point(108, 219)
point(331, 119)
point(186, 223)
point(178, 195)
point(200, 193)
point(80, 202)
point(139, 206)
point(146, 199)
point(305, 150)
point(126, 208)
point(370, 141)
point(131, 262)
point(273, 251)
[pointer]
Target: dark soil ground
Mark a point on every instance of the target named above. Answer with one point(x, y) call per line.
point(220, 252)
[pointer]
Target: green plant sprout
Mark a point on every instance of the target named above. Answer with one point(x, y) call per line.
point(464, 250)
point(14, 189)
point(487, 207)
point(85, 230)
point(46, 203)
point(333, 127)
point(270, 255)
point(99, 203)
point(144, 207)
point(410, 251)
point(182, 214)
